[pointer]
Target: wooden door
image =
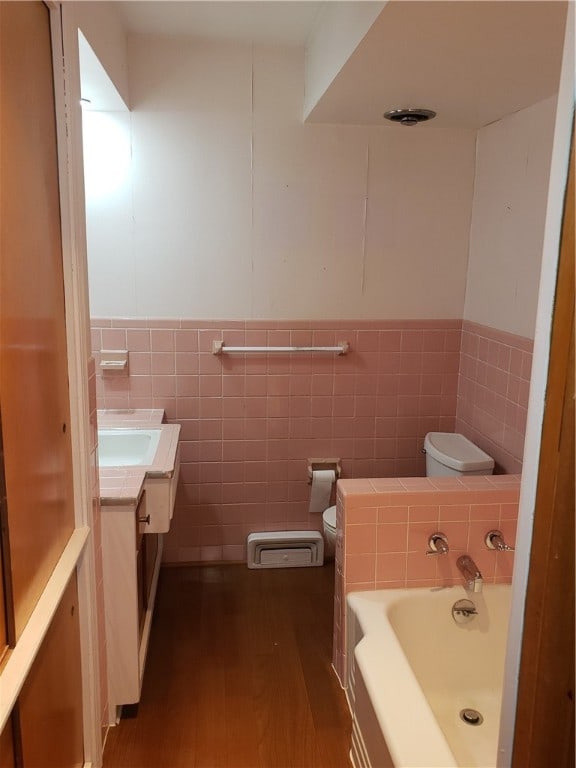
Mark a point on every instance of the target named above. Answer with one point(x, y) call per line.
point(34, 396)
point(50, 718)
point(7, 757)
point(544, 733)
point(34, 402)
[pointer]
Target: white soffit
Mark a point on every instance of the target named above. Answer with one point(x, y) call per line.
point(339, 29)
point(98, 92)
point(472, 62)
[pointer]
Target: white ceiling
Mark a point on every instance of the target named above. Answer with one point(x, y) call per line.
point(472, 61)
point(264, 21)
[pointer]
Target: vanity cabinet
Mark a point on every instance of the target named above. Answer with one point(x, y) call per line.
point(137, 502)
point(131, 562)
point(150, 554)
point(161, 494)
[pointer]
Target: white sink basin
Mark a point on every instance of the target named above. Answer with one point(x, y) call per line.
point(149, 452)
point(127, 447)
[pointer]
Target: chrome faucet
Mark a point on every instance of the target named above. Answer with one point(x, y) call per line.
point(495, 540)
point(437, 544)
point(471, 573)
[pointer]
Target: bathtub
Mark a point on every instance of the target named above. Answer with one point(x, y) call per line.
point(411, 670)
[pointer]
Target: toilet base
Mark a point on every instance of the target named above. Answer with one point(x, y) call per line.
point(329, 544)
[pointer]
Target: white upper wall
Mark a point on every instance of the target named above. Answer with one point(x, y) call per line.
point(235, 209)
point(507, 233)
point(338, 32)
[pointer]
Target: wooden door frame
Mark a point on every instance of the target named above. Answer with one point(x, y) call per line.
point(537, 400)
point(78, 554)
point(74, 254)
point(546, 683)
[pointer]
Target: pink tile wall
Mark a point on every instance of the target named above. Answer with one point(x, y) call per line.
point(250, 422)
point(384, 526)
point(493, 386)
point(97, 542)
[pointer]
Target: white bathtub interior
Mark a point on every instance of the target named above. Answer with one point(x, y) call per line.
point(412, 669)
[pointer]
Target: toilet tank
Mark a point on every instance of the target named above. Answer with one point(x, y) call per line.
point(449, 453)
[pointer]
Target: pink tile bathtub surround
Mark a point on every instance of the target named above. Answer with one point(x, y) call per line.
point(384, 526)
point(493, 386)
point(249, 422)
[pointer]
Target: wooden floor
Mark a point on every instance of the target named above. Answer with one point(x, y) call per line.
point(238, 674)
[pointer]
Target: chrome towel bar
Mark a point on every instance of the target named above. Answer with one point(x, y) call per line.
point(218, 348)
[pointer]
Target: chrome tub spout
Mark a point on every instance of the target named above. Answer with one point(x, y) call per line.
point(471, 573)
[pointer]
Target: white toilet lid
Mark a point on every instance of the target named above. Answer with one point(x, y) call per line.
point(329, 517)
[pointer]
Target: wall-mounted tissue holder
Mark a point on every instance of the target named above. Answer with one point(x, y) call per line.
point(319, 464)
point(323, 474)
point(114, 360)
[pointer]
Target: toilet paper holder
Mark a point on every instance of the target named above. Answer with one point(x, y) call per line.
point(316, 464)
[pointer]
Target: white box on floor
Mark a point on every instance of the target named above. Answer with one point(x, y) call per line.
point(285, 549)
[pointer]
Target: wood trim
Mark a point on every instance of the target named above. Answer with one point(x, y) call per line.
point(6, 575)
point(22, 657)
point(71, 173)
point(544, 733)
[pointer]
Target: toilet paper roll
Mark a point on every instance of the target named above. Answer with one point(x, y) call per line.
point(322, 481)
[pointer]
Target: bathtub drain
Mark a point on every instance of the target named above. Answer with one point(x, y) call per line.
point(471, 717)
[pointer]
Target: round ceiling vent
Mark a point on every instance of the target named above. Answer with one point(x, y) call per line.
point(409, 116)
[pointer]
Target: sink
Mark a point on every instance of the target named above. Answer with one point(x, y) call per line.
point(127, 447)
point(152, 452)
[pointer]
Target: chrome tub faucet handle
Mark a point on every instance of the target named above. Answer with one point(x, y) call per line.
point(438, 544)
point(495, 540)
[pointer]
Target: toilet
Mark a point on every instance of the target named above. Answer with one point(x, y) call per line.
point(449, 453)
point(329, 525)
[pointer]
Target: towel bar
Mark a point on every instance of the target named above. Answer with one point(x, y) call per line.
point(218, 348)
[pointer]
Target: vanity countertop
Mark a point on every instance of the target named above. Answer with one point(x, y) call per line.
point(121, 486)
point(124, 485)
point(130, 417)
